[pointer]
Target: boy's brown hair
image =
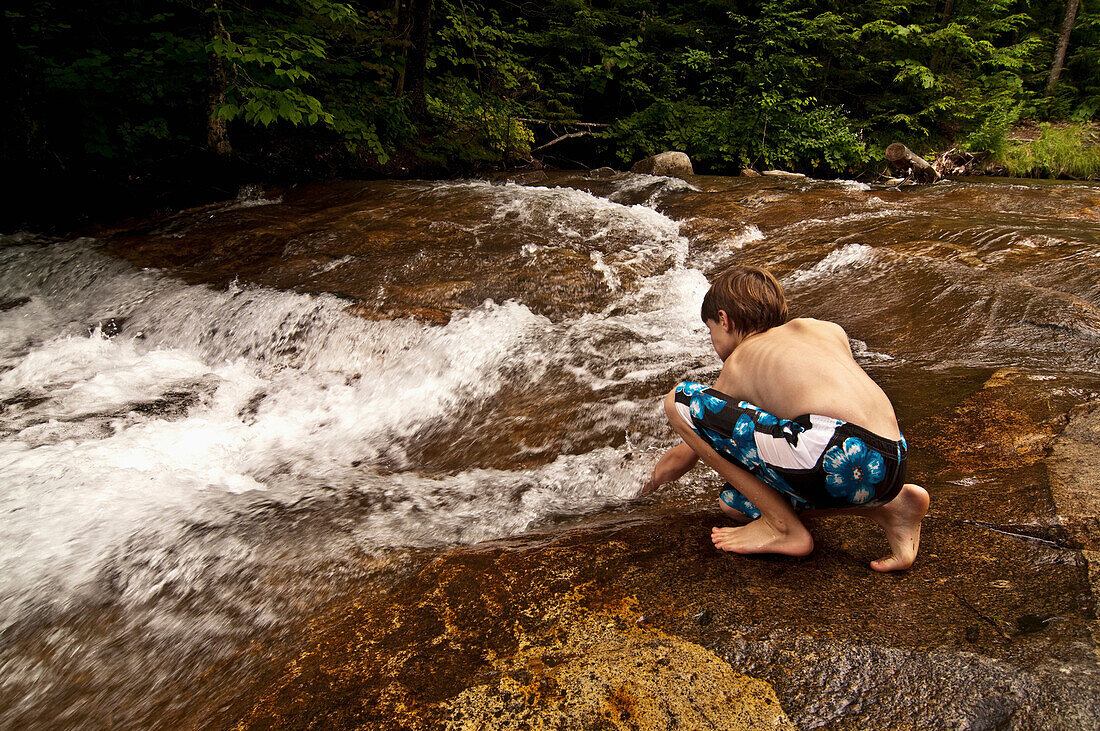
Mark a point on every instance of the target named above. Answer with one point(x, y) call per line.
point(751, 297)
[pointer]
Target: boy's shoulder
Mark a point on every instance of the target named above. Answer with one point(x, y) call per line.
point(809, 327)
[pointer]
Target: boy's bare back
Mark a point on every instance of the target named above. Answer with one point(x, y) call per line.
point(806, 367)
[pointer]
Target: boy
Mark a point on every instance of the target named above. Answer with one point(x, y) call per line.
point(780, 426)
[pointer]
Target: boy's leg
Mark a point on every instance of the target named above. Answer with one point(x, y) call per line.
point(777, 530)
point(900, 518)
point(736, 505)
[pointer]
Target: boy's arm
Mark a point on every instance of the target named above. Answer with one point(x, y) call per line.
point(672, 465)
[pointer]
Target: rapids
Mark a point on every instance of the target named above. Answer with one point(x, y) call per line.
point(216, 423)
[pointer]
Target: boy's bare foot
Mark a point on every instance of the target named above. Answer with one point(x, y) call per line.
point(761, 536)
point(901, 518)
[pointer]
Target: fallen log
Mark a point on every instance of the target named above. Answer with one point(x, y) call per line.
point(904, 160)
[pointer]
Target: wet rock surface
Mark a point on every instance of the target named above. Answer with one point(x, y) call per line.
point(1075, 477)
point(994, 627)
point(416, 249)
point(573, 630)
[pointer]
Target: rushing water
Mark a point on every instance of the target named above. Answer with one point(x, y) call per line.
point(214, 425)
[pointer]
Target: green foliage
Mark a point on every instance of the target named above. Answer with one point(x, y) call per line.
point(1069, 151)
point(480, 129)
point(280, 69)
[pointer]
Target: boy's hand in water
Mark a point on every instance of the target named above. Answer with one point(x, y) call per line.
point(673, 464)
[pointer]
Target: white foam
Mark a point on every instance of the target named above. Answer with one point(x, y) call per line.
point(608, 273)
point(863, 353)
point(655, 329)
point(872, 215)
point(631, 240)
point(851, 184)
point(706, 258)
point(846, 257)
point(251, 196)
point(576, 214)
point(335, 263)
point(750, 234)
point(480, 504)
point(277, 389)
point(631, 184)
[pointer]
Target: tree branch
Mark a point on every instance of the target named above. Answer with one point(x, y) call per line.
point(590, 125)
point(563, 137)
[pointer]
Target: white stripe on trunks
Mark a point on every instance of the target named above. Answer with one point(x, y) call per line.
point(685, 413)
point(778, 452)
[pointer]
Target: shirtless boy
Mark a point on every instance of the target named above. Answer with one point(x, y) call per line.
point(792, 424)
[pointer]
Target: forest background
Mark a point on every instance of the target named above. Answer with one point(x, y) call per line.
point(137, 100)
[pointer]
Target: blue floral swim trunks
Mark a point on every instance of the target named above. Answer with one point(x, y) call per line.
point(816, 461)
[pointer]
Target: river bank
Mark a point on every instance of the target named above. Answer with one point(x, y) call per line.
point(1031, 150)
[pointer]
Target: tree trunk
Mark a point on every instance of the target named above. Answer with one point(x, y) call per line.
point(902, 159)
point(1063, 44)
point(937, 55)
point(419, 36)
point(948, 8)
point(217, 134)
point(401, 36)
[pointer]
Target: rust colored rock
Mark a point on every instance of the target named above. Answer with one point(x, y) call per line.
point(1006, 424)
point(598, 628)
point(673, 164)
point(608, 674)
point(602, 173)
point(497, 639)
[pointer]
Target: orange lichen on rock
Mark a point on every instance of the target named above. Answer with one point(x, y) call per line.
point(607, 673)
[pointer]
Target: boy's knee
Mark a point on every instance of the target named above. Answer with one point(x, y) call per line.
point(670, 404)
point(677, 413)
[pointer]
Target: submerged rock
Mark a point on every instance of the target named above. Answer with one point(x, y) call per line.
point(110, 327)
point(534, 177)
point(11, 304)
point(674, 164)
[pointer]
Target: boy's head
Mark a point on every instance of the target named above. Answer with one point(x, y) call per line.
point(750, 296)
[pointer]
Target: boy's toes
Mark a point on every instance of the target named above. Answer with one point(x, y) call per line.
point(891, 563)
